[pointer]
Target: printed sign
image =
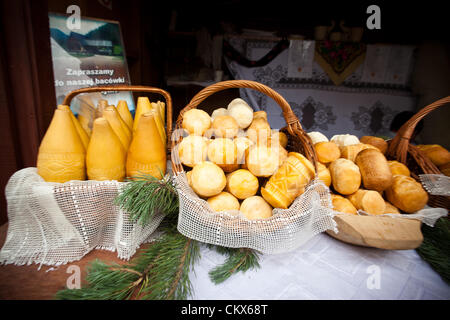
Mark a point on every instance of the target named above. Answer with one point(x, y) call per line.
point(85, 54)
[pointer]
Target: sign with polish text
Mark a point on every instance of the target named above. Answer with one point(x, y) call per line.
point(88, 52)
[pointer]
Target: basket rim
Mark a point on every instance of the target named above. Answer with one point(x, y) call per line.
point(148, 89)
point(400, 146)
point(293, 126)
point(401, 149)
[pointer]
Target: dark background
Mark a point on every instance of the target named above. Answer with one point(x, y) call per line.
point(27, 97)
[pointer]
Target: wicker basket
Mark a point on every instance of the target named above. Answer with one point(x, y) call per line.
point(288, 228)
point(387, 232)
point(145, 89)
point(401, 150)
point(298, 140)
point(55, 223)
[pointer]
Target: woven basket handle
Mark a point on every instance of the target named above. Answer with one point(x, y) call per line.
point(293, 124)
point(206, 92)
point(398, 148)
point(164, 93)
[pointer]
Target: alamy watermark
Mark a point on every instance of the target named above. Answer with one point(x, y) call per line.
point(374, 280)
point(74, 280)
point(374, 20)
point(74, 20)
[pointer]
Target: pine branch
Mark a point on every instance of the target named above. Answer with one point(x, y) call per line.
point(105, 283)
point(180, 270)
point(238, 260)
point(435, 248)
point(160, 272)
point(169, 277)
point(144, 196)
point(221, 249)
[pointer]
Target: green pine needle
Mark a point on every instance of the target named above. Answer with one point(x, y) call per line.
point(238, 260)
point(435, 248)
point(159, 272)
point(221, 249)
point(144, 196)
point(169, 276)
point(105, 283)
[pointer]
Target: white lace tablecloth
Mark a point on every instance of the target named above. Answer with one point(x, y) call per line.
point(325, 269)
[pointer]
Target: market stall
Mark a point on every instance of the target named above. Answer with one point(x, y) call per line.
point(296, 189)
point(276, 215)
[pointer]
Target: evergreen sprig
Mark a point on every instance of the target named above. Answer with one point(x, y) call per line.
point(168, 278)
point(144, 196)
point(238, 260)
point(105, 283)
point(435, 248)
point(159, 272)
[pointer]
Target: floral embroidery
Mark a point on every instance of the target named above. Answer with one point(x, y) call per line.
point(269, 76)
point(375, 120)
point(339, 55)
point(314, 115)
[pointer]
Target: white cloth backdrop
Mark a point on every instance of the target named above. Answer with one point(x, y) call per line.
point(356, 106)
point(325, 268)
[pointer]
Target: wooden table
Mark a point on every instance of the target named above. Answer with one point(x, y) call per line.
point(27, 283)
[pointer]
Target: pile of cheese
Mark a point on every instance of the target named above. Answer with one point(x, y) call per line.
point(361, 178)
point(438, 155)
point(232, 154)
point(104, 144)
